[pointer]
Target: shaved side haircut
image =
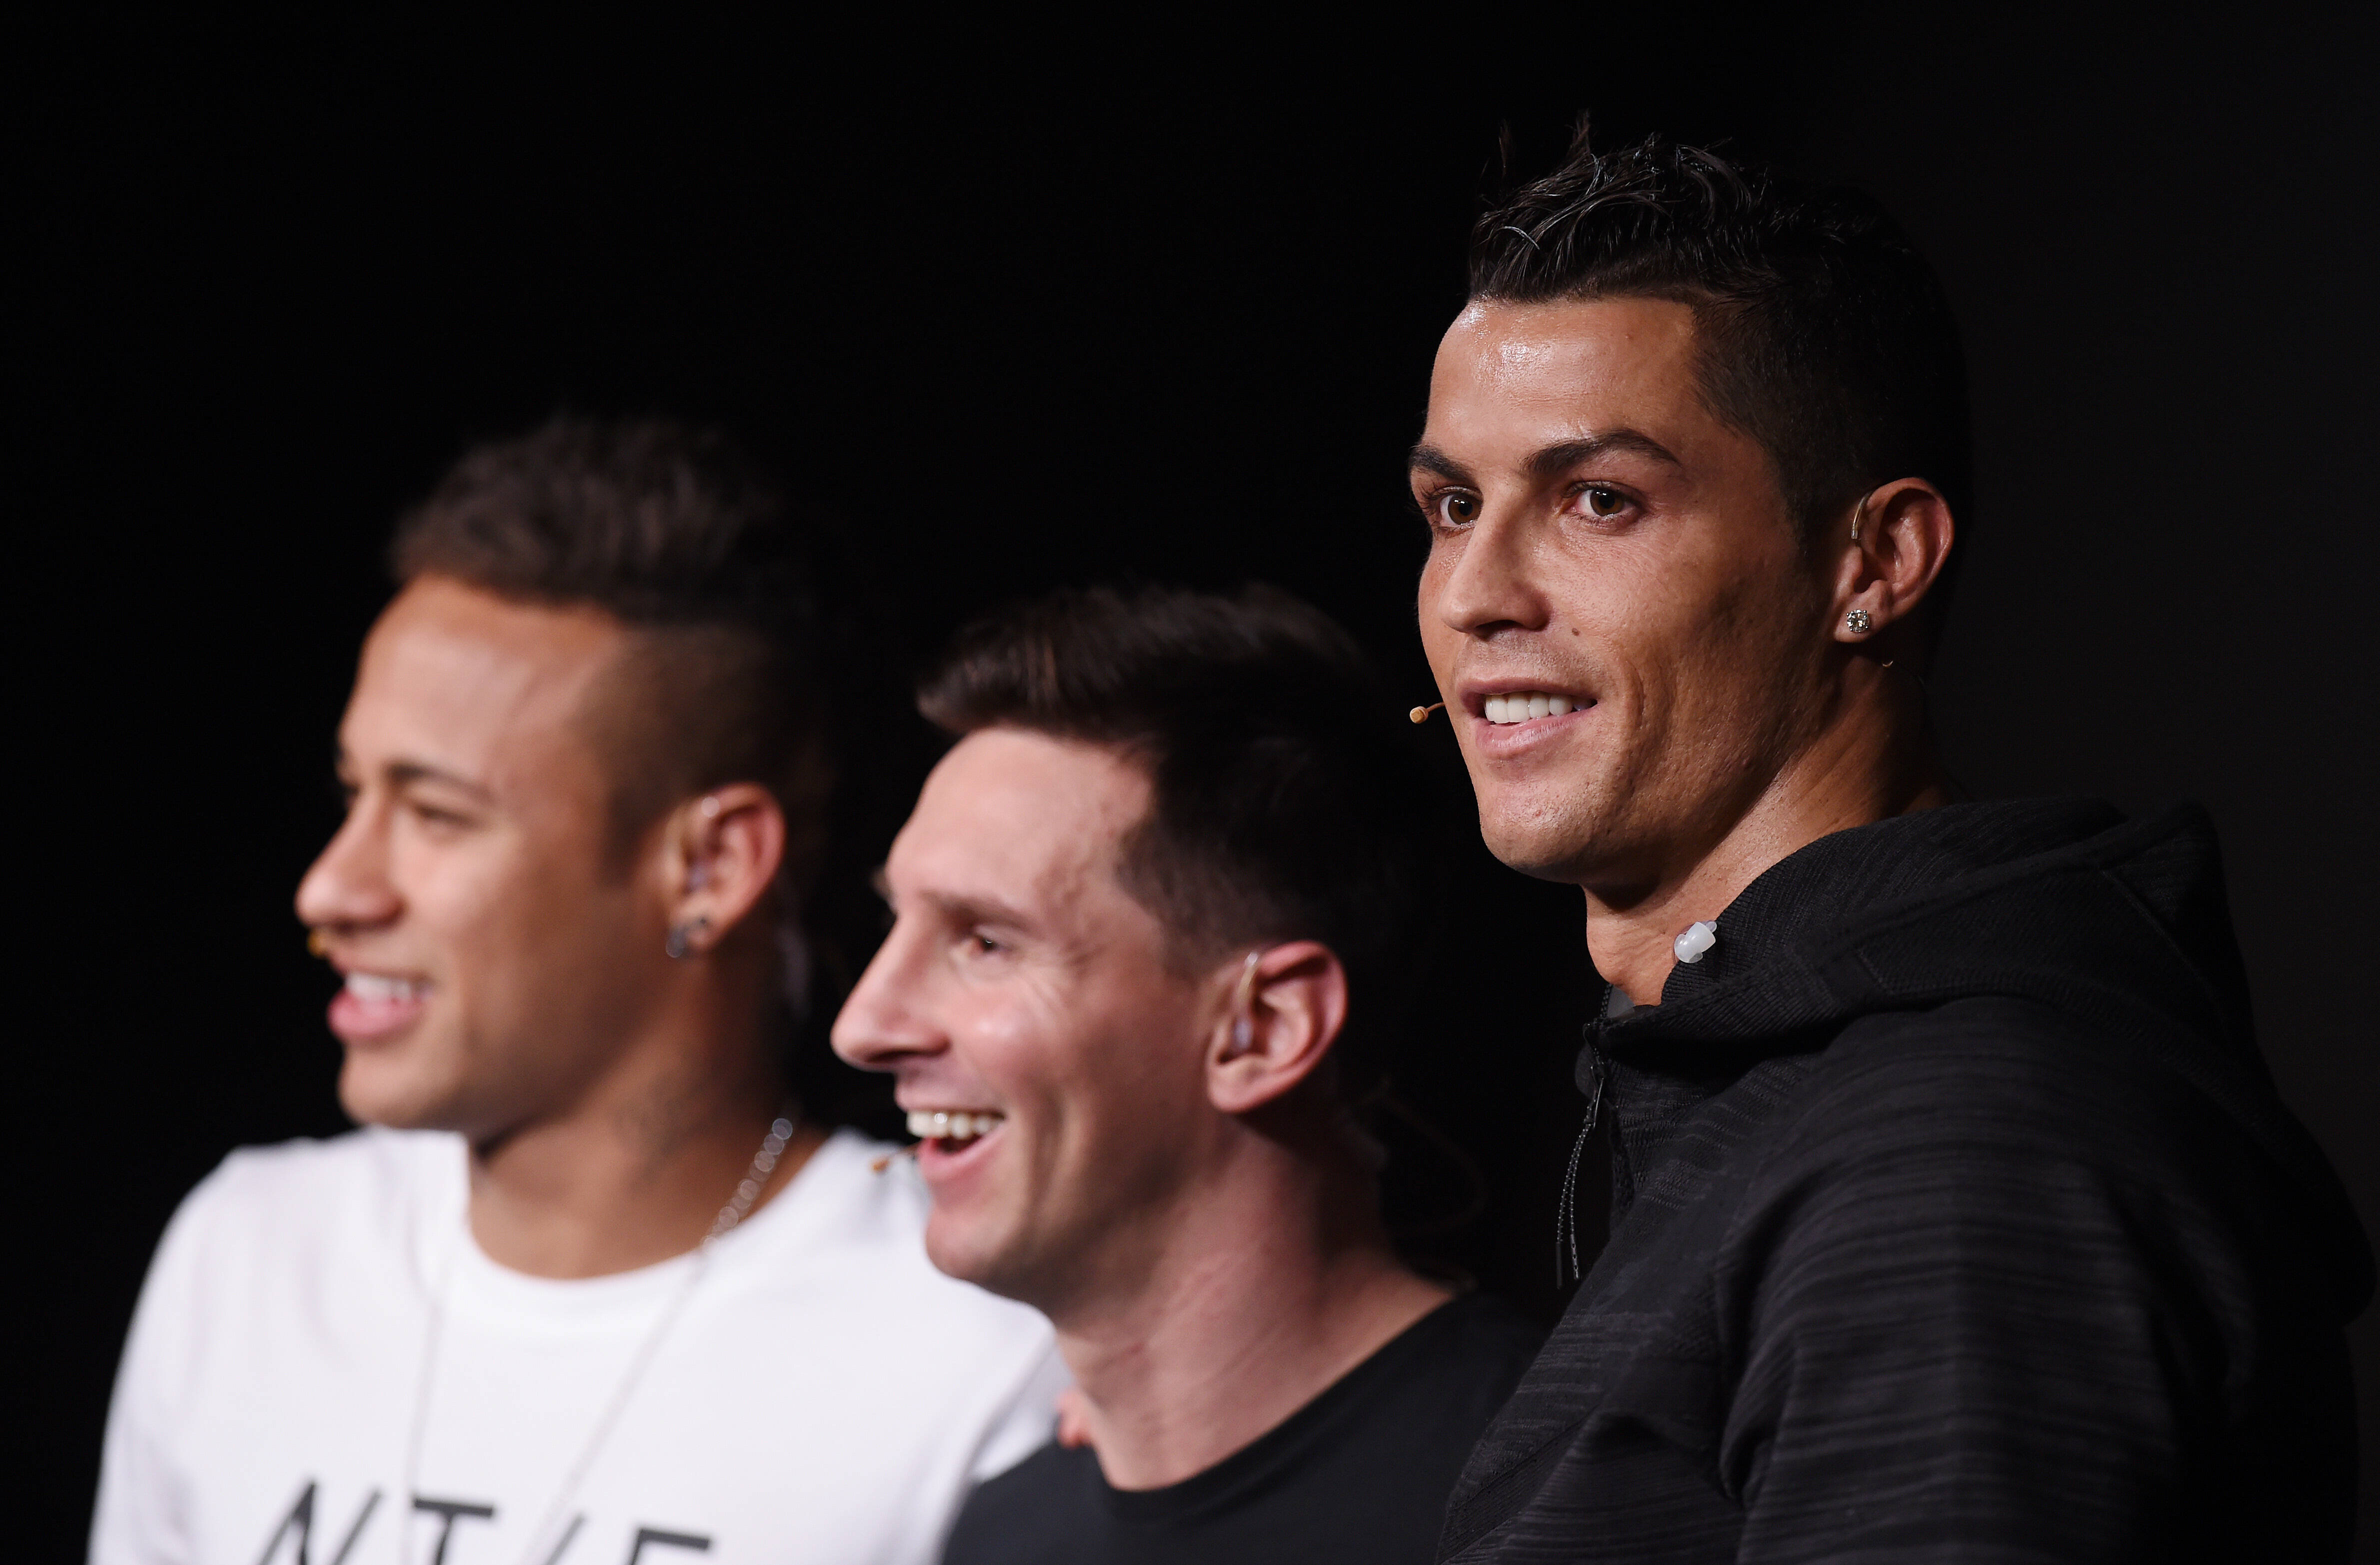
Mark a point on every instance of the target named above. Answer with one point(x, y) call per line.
point(674, 532)
point(1821, 333)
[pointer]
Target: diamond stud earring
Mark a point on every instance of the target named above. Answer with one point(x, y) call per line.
point(1857, 621)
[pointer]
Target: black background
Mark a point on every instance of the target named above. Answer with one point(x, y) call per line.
point(1038, 303)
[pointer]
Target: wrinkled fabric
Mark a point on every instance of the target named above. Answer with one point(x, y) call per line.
point(1954, 1218)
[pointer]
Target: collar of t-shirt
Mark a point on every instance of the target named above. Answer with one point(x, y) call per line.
point(1288, 1447)
point(481, 1290)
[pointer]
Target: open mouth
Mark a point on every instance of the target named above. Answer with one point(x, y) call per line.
point(953, 1131)
point(952, 1143)
point(1520, 706)
point(375, 1005)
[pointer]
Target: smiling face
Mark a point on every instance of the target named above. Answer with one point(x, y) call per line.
point(1022, 987)
point(495, 948)
point(1629, 634)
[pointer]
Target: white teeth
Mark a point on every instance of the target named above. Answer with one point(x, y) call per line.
point(1524, 705)
point(932, 1124)
point(379, 989)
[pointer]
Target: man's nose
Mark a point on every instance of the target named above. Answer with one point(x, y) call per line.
point(1491, 585)
point(886, 1020)
point(348, 886)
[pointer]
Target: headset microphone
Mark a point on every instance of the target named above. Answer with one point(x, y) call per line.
point(1421, 714)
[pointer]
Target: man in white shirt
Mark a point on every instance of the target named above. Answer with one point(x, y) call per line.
point(585, 1287)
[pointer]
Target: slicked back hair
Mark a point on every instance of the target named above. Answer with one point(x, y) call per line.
point(1285, 804)
point(672, 531)
point(1821, 333)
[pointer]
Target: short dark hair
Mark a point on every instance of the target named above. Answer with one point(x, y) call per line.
point(1821, 333)
point(1286, 802)
point(675, 533)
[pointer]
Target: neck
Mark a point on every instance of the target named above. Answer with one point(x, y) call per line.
point(1872, 758)
point(634, 1168)
point(1271, 1283)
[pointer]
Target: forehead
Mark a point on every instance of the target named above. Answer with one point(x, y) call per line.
point(476, 684)
point(1023, 820)
point(1542, 372)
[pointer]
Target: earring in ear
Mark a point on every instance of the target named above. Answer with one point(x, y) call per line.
point(680, 944)
point(1858, 622)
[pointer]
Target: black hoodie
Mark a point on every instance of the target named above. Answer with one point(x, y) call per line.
point(1954, 1217)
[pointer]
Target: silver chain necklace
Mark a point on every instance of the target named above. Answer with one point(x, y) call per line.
point(739, 1206)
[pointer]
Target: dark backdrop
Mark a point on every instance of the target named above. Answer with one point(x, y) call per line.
point(1025, 309)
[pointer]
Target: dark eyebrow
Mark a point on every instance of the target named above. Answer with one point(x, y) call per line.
point(1550, 461)
point(404, 773)
point(979, 910)
point(1430, 459)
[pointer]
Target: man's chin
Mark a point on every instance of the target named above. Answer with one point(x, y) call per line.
point(962, 1249)
point(953, 1245)
point(1540, 854)
point(376, 1089)
point(1546, 831)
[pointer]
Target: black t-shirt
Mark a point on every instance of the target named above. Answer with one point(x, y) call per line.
point(1360, 1474)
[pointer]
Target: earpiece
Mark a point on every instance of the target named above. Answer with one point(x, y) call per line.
point(1243, 1026)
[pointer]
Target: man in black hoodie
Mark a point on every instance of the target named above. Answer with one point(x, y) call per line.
point(1954, 1215)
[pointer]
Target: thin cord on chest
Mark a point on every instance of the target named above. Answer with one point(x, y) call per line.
point(739, 1206)
point(1566, 1267)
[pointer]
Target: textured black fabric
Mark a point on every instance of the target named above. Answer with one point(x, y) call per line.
point(1954, 1218)
point(1359, 1474)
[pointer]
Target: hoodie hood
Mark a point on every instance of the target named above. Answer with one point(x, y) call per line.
point(2121, 924)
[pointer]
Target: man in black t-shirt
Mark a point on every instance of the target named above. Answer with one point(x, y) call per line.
point(1151, 917)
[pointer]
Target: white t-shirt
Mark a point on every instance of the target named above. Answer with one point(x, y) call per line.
point(822, 1395)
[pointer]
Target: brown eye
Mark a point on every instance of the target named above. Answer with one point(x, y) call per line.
point(1605, 502)
point(1459, 509)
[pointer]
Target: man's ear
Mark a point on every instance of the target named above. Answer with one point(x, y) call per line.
point(1905, 533)
point(720, 853)
point(1286, 1006)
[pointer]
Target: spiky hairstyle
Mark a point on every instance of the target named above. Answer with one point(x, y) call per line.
point(1821, 333)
